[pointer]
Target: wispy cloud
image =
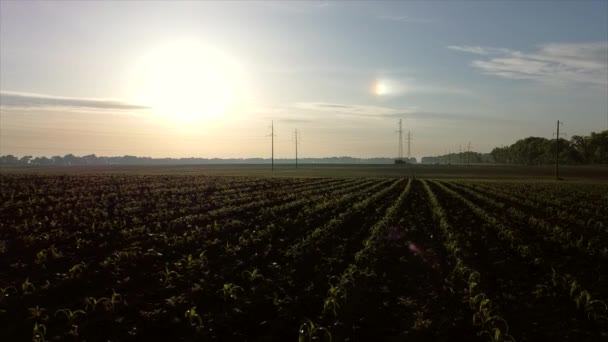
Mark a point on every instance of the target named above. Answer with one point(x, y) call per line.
point(556, 64)
point(349, 109)
point(313, 111)
point(478, 50)
point(16, 100)
point(404, 19)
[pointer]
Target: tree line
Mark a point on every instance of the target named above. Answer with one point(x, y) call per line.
point(92, 159)
point(591, 149)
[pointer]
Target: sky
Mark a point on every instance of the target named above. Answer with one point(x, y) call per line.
point(206, 79)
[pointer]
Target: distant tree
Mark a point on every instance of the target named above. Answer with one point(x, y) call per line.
point(25, 160)
point(57, 160)
point(9, 160)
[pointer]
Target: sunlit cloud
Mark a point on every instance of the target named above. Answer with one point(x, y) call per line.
point(556, 64)
point(22, 100)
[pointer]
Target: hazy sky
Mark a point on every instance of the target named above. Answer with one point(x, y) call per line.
point(205, 79)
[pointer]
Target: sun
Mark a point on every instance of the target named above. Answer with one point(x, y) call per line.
point(187, 81)
point(380, 88)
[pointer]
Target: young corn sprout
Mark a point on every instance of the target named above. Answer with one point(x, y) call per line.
point(76, 270)
point(39, 333)
point(114, 299)
point(253, 275)
point(194, 318)
point(70, 315)
point(27, 287)
point(167, 276)
point(230, 291)
point(91, 303)
point(7, 291)
point(38, 313)
point(309, 331)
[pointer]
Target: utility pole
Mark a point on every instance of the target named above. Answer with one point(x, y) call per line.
point(468, 153)
point(557, 150)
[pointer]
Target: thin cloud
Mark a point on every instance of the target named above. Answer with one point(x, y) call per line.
point(16, 100)
point(555, 64)
point(395, 113)
point(478, 50)
point(424, 115)
point(348, 109)
point(405, 19)
point(293, 121)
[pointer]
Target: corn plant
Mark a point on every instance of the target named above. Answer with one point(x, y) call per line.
point(230, 291)
point(167, 276)
point(39, 333)
point(194, 319)
point(309, 331)
point(38, 314)
point(76, 270)
point(70, 315)
point(91, 303)
point(113, 300)
point(7, 291)
point(41, 257)
point(28, 287)
point(253, 275)
point(332, 301)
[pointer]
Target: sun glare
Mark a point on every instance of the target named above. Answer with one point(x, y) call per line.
point(187, 81)
point(380, 88)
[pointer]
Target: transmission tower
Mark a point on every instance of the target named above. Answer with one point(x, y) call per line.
point(272, 144)
point(296, 137)
point(400, 131)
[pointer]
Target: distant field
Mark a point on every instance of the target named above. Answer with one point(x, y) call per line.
point(572, 173)
point(195, 258)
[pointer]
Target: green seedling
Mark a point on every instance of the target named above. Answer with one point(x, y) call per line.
point(309, 331)
point(27, 287)
point(76, 270)
point(194, 319)
point(230, 291)
point(38, 313)
point(167, 276)
point(39, 333)
point(91, 303)
point(7, 291)
point(253, 275)
point(70, 315)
